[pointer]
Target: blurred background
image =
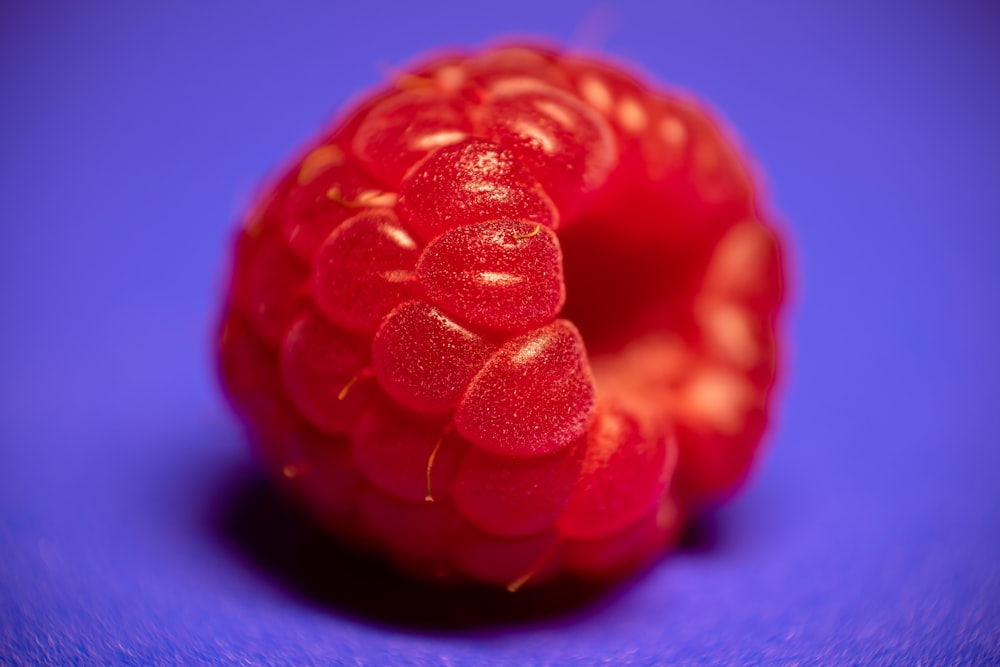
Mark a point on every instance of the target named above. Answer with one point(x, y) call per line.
point(132, 528)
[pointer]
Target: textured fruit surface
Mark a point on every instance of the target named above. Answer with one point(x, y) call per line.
point(513, 318)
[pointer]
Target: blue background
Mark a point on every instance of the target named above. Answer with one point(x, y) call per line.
point(132, 526)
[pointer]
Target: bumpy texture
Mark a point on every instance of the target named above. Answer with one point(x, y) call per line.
point(513, 318)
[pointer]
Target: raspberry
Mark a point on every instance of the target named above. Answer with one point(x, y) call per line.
point(513, 319)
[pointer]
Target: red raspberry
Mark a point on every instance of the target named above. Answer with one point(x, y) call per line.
point(513, 319)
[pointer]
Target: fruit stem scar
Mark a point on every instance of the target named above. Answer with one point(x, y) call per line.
point(533, 232)
point(334, 194)
point(404, 80)
point(353, 381)
point(347, 387)
point(364, 199)
point(448, 427)
point(430, 462)
point(293, 470)
point(535, 568)
point(317, 161)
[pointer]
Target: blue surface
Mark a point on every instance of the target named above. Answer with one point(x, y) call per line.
point(132, 528)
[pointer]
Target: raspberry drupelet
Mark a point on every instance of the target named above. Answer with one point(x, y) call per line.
point(513, 318)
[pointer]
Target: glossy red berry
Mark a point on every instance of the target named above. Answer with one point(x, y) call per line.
point(514, 318)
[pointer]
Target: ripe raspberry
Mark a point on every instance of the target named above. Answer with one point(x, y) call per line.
point(512, 319)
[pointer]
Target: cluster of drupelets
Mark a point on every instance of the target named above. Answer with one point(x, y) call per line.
point(393, 339)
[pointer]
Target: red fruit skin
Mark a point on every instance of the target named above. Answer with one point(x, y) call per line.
point(535, 396)
point(516, 496)
point(402, 129)
point(317, 361)
point(392, 447)
point(469, 182)
point(515, 317)
point(364, 269)
point(497, 275)
point(424, 359)
point(625, 473)
point(318, 195)
point(555, 134)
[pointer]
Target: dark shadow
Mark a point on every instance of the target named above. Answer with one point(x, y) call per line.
point(279, 539)
point(702, 536)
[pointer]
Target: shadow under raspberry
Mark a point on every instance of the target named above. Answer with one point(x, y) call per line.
point(275, 537)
